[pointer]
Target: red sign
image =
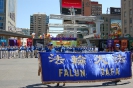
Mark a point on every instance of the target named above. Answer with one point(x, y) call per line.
point(124, 44)
point(71, 3)
point(29, 42)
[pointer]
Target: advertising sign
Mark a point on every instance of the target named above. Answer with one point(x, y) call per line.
point(65, 43)
point(72, 3)
point(115, 24)
point(66, 11)
point(67, 4)
point(114, 10)
point(29, 42)
point(124, 44)
point(85, 67)
point(110, 43)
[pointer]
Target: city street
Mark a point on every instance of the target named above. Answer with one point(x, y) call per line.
point(23, 73)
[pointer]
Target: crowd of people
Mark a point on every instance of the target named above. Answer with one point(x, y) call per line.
point(9, 52)
point(32, 51)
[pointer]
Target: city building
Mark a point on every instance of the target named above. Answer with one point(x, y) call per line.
point(26, 31)
point(8, 15)
point(111, 23)
point(91, 8)
point(81, 7)
point(127, 17)
point(39, 24)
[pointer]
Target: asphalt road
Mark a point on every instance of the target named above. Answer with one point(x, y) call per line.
point(23, 73)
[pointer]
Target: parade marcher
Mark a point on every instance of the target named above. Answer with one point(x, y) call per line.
point(36, 51)
point(31, 51)
point(117, 49)
point(0, 52)
point(62, 49)
point(27, 51)
point(9, 54)
point(6, 52)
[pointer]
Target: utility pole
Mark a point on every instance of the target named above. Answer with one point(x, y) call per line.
point(72, 11)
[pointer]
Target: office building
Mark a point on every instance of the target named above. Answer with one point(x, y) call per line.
point(111, 23)
point(127, 17)
point(26, 31)
point(8, 15)
point(39, 24)
point(91, 8)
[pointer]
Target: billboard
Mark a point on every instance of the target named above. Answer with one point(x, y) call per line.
point(1, 6)
point(12, 9)
point(67, 4)
point(71, 3)
point(66, 11)
point(115, 24)
point(114, 10)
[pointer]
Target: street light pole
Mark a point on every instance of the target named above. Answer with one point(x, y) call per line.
point(73, 21)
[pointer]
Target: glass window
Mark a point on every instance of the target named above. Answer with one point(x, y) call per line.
point(130, 20)
point(130, 28)
point(125, 22)
point(130, 12)
point(1, 6)
point(125, 30)
point(1, 24)
point(125, 14)
point(1, 18)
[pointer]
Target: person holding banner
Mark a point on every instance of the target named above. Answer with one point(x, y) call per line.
point(62, 50)
point(117, 49)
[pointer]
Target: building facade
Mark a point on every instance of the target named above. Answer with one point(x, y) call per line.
point(8, 15)
point(39, 24)
point(111, 24)
point(26, 31)
point(88, 8)
point(91, 8)
point(127, 17)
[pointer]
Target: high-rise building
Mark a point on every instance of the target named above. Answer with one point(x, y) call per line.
point(39, 24)
point(96, 8)
point(8, 15)
point(127, 17)
point(91, 8)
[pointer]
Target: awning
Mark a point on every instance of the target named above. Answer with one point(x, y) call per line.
point(13, 34)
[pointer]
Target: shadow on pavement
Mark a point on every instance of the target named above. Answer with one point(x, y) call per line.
point(40, 85)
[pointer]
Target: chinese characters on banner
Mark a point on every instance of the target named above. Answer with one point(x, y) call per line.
point(123, 44)
point(85, 67)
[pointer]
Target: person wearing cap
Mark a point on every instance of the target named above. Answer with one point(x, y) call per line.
point(50, 48)
point(117, 49)
point(62, 48)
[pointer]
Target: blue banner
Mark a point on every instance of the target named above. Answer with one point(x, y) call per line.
point(81, 67)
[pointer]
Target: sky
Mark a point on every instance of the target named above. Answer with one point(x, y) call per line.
point(25, 8)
